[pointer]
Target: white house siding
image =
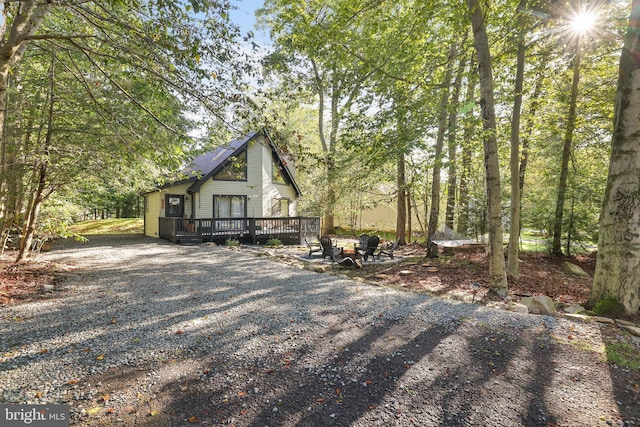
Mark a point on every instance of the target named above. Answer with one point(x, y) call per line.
point(272, 190)
point(154, 210)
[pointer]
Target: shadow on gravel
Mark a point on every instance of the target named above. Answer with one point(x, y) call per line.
point(188, 335)
point(390, 374)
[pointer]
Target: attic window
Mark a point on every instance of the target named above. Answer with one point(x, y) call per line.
point(277, 174)
point(235, 169)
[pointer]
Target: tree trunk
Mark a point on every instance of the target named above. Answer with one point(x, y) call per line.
point(514, 227)
point(524, 158)
point(497, 273)
point(409, 216)
point(27, 18)
point(31, 220)
point(401, 218)
point(453, 147)
point(432, 249)
point(465, 173)
point(617, 273)
point(566, 153)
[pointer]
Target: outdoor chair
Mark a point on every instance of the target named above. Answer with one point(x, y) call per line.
point(388, 249)
point(313, 247)
point(329, 250)
point(369, 247)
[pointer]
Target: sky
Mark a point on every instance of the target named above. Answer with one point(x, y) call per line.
point(244, 17)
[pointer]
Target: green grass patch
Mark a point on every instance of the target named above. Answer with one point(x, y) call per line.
point(109, 226)
point(623, 354)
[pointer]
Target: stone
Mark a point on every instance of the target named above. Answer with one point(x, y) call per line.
point(601, 319)
point(540, 304)
point(580, 317)
point(497, 304)
point(574, 270)
point(404, 273)
point(574, 309)
point(625, 322)
point(517, 307)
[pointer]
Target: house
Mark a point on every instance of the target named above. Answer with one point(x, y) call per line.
point(244, 190)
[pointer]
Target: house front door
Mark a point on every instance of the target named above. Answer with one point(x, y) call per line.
point(174, 205)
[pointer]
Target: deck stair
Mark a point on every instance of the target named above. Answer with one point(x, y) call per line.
point(193, 239)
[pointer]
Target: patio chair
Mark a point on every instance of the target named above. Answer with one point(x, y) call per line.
point(313, 247)
point(329, 250)
point(369, 248)
point(388, 249)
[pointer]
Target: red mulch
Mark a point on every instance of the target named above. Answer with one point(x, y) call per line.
point(25, 281)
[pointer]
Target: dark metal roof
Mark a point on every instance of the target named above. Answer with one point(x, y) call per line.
point(206, 163)
point(209, 164)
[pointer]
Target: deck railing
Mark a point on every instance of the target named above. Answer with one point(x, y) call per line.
point(289, 230)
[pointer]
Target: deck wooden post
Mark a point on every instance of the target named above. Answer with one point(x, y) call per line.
point(252, 230)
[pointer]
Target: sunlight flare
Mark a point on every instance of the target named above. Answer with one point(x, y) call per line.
point(584, 22)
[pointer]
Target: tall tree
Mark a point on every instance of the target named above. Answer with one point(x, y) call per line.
point(434, 212)
point(497, 271)
point(514, 164)
point(617, 273)
point(566, 150)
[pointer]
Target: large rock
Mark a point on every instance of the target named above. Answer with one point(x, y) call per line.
point(574, 309)
point(574, 270)
point(540, 304)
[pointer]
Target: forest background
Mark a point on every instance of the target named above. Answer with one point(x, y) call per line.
point(377, 101)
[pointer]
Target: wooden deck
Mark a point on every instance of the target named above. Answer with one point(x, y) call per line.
point(290, 230)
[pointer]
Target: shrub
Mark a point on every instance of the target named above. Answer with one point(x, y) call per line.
point(273, 243)
point(232, 242)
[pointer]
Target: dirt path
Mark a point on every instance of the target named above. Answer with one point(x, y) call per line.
point(153, 334)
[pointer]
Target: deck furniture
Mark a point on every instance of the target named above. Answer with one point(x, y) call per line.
point(313, 247)
point(329, 250)
point(367, 248)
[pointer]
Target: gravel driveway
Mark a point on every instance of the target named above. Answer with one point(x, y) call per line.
point(144, 332)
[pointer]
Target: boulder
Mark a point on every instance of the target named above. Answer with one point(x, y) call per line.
point(540, 304)
point(574, 270)
point(574, 309)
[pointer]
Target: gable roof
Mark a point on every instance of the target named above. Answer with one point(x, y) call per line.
point(207, 165)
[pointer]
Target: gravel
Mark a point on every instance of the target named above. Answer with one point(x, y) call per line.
point(142, 329)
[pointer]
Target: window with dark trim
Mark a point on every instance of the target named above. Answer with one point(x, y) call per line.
point(235, 170)
point(280, 207)
point(229, 206)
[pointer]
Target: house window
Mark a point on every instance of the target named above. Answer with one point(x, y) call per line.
point(229, 206)
point(277, 175)
point(280, 207)
point(235, 170)
point(174, 205)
